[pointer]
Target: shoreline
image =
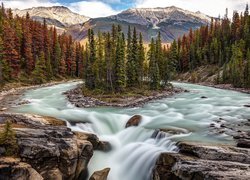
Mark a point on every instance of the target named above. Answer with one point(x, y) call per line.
point(219, 86)
point(75, 97)
point(11, 97)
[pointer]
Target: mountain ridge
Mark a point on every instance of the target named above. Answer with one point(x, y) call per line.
point(171, 21)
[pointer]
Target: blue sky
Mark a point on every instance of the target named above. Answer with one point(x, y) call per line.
point(101, 8)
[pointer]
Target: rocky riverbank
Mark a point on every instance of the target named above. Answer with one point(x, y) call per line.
point(197, 162)
point(76, 97)
point(47, 149)
point(226, 87)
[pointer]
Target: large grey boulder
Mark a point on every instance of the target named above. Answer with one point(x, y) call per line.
point(196, 161)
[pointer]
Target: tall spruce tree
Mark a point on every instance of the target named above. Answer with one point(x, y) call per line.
point(154, 74)
point(90, 75)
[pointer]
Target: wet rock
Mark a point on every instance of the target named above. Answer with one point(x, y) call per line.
point(3, 109)
point(104, 146)
point(23, 102)
point(197, 161)
point(212, 125)
point(13, 168)
point(55, 152)
point(100, 175)
point(134, 121)
point(244, 143)
point(204, 97)
point(97, 144)
point(222, 125)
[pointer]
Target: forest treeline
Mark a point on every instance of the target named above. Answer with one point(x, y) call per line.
point(223, 43)
point(115, 64)
point(32, 52)
point(113, 61)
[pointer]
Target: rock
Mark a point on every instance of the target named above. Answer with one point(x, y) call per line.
point(13, 168)
point(100, 175)
point(134, 121)
point(97, 144)
point(212, 125)
point(3, 109)
point(104, 146)
point(204, 97)
point(244, 143)
point(23, 102)
point(222, 125)
point(55, 152)
point(247, 105)
point(196, 161)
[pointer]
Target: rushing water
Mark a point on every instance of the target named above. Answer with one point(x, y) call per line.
point(135, 149)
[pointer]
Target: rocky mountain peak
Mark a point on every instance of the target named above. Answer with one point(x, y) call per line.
point(58, 16)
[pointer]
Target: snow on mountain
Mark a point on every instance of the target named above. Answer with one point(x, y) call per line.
point(59, 16)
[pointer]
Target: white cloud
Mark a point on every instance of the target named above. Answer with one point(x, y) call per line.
point(210, 7)
point(24, 4)
point(92, 8)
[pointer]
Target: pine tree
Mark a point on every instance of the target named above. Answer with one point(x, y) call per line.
point(108, 61)
point(39, 72)
point(141, 59)
point(247, 71)
point(90, 76)
point(10, 52)
point(154, 75)
point(133, 62)
point(120, 73)
point(8, 140)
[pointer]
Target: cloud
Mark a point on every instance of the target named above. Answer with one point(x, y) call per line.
point(210, 7)
point(24, 4)
point(93, 8)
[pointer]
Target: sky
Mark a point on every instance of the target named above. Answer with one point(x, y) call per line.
point(101, 8)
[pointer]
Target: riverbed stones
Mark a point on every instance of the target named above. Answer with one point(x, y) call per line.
point(50, 149)
point(197, 161)
point(134, 121)
point(100, 175)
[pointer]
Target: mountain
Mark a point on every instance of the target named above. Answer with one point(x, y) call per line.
point(59, 16)
point(172, 22)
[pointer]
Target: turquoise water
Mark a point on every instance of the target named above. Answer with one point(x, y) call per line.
point(134, 151)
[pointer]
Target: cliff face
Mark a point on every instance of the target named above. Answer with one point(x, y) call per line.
point(47, 150)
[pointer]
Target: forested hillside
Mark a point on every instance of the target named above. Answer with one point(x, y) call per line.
point(224, 43)
point(32, 53)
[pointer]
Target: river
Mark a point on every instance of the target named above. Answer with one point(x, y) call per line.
point(135, 150)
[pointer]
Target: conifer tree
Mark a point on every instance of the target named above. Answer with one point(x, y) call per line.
point(39, 71)
point(8, 140)
point(90, 76)
point(141, 59)
point(120, 72)
point(154, 75)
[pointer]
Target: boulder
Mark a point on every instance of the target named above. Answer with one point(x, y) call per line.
point(197, 161)
point(97, 144)
point(104, 146)
point(134, 121)
point(13, 168)
point(100, 175)
point(204, 97)
point(54, 151)
point(244, 143)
